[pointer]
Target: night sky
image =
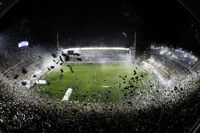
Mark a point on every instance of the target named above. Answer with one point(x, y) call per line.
point(97, 22)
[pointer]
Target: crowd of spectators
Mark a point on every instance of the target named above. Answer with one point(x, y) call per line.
point(49, 116)
point(24, 110)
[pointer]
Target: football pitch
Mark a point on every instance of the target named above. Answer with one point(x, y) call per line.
point(97, 82)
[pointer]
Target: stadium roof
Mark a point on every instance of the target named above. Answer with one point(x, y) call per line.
point(5, 5)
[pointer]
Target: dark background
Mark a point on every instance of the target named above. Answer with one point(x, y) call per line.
point(101, 23)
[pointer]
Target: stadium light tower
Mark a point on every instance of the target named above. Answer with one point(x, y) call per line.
point(58, 45)
point(135, 39)
point(132, 49)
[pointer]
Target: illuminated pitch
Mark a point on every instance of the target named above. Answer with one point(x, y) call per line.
point(97, 82)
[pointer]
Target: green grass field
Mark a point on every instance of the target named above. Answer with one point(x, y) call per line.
point(97, 82)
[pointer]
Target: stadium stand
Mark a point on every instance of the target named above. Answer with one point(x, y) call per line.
point(101, 54)
point(23, 109)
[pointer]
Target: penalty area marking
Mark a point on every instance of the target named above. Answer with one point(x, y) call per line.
point(105, 86)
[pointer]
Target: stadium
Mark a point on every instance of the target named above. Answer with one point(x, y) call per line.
point(113, 73)
point(85, 68)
